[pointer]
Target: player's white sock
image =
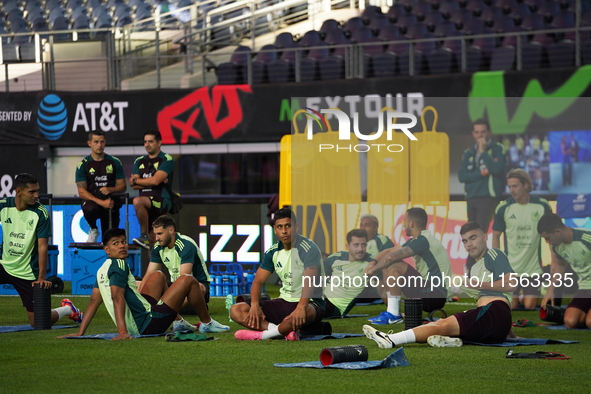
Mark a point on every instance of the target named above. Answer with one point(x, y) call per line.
point(393, 304)
point(271, 332)
point(63, 311)
point(400, 338)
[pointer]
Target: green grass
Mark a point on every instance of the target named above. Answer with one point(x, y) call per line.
point(35, 361)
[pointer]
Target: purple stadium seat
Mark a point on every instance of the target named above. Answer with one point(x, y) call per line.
point(476, 7)
point(503, 24)
point(418, 30)
point(475, 26)
point(533, 22)
point(461, 17)
point(448, 7)
point(420, 63)
point(405, 21)
point(284, 40)
point(395, 12)
point(378, 22)
point(561, 54)
point(259, 65)
point(533, 56)
point(486, 44)
point(389, 33)
point(399, 47)
point(505, 5)
point(475, 60)
point(503, 59)
point(444, 28)
point(490, 15)
point(420, 10)
point(280, 71)
point(386, 64)
point(311, 38)
point(520, 11)
point(327, 25)
point(361, 34)
point(455, 45)
point(548, 10)
point(331, 68)
point(441, 61)
point(353, 24)
point(534, 5)
point(432, 19)
point(370, 12)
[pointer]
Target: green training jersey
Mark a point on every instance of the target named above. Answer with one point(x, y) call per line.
point(519, 225)
point(289, 266)
point(431, 259)
point(185, 251)
point(578, 255)
point(116, 272)
point(377, 244)
point(337, 265)
point(20, 232)
point(493, 262)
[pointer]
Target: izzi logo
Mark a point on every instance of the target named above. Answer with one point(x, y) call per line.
point(52, 117)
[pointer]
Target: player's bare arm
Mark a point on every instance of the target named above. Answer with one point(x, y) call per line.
point(397, 254)
point(117, 295)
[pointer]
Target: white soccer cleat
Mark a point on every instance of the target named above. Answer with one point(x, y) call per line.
point(92, 235)
point(378, 337)
point(212, 326)
point(183, 325)
point(443, 341)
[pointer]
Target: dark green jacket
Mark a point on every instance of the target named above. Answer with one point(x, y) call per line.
point(476, 184)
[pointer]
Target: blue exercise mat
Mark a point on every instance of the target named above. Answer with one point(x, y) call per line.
point(112, 335)
point(28, 327)
point(374, 302)
point(344, 317)
point(396, 359)
point(563, 327)
point(334, 335)
point(523, 342)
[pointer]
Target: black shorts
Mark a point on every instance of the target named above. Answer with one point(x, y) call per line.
point(155, 212)
point(278, 309)
point(162, 316)
point(431, 299)
point(206, 295)
point(23, 287)
point(581, 300)
point(490, 323)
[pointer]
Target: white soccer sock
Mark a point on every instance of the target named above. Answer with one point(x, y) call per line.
point(271, 332)
point(393, 304)
point(63, 311)
point(400, 338)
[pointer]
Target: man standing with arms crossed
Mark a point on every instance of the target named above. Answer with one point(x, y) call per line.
point(26, 228)
point(481, 172)
point(517, 218)
point(150, 173)
point(98, 176)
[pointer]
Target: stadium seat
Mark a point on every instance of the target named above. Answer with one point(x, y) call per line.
point(362, 34)
point(505, 5)
point(10, 53)
point(520, 11)
point(420, 10)
point(280, 71)
point(504, 24)
point(448, 7)
point(476, 7)
point(474, 27)
point(396, 11)
point(533, 22)
point(416, 31)
point(444, 28)
point(548, 10)
point(420, 63)
point(60, 23)
point(532, 56)
point(98, 11)
point(309, 70)
point(399, 47)
point(332, 67)
point(284, 40)
point(475, 59)
point(310, 38)
point(561, 54)
point(81, 23)
point(486, 44)
point(369, 52)
point(405, 21)
point(327, 25)
point(503, 59)
point(432, 19)
point(27, 52)
point(534, 5)
point(441, 61)
point(56, 13)
point(389, 33)
point(385, 64)
point(353, 24)
point(378, 22)
point(370, 12)
point(461, 17)
point(586, 52)
point(259, 64)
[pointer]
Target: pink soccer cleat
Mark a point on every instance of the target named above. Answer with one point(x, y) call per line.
point(77, 314)
point(247, 335)
point(292, 336)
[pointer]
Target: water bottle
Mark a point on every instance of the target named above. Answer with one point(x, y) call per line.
point(218, 285)
point(234, 284)
point(225, 285)
point(249, 280)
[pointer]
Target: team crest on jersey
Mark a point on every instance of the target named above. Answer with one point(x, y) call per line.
point(30, 224)
point(535, 216)
point(110, 169)
point(91, 171)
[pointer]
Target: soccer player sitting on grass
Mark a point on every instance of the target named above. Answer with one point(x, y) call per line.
point(298, 262)
point(151, 312)
point(569, 246)
point(26, 228)
point(431, 261)
point(490, 322)
point(181, 255)
point(345, 270)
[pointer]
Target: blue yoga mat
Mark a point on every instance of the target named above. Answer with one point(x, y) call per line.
point(374, 302)
point(396, 359)
point(344, 317)
point(334, 335)
point(28, 327)
point(563, 327)
point(112, 335)
point(524, 342)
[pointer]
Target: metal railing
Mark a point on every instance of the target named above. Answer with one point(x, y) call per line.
point(152, 45)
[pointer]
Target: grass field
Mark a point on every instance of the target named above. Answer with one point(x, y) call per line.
point(34, 361)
